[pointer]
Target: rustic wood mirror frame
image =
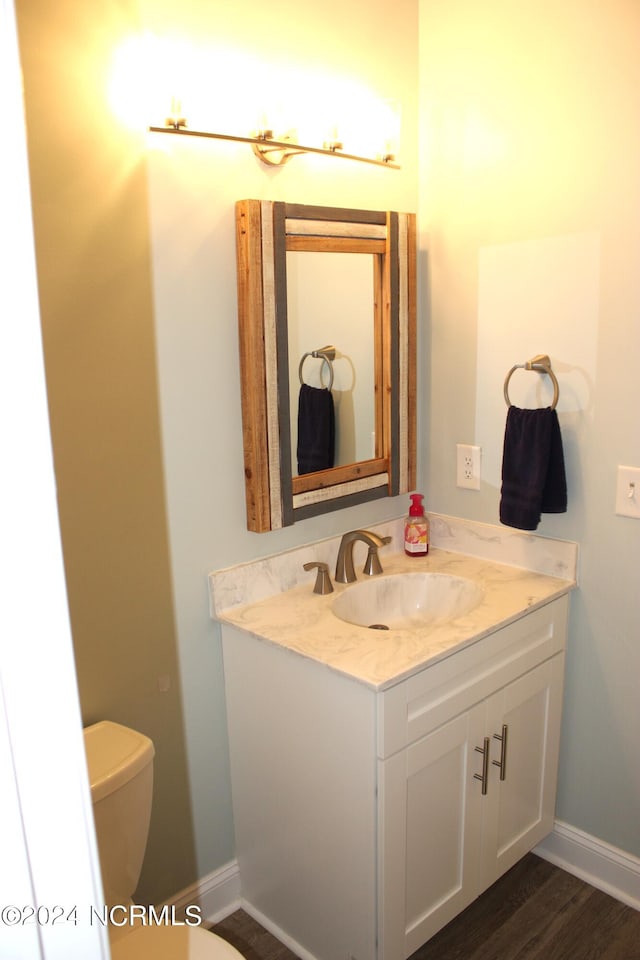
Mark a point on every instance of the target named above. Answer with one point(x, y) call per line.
point(265, 230)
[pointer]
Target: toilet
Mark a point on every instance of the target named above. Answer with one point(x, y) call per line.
point(120, 762)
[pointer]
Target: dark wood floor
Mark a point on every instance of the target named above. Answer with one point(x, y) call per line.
point(534, 912)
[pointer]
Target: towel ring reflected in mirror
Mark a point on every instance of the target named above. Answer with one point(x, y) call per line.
point(541, 364)
point(327, 355)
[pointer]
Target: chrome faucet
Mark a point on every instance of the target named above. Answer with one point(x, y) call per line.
point(344, 565)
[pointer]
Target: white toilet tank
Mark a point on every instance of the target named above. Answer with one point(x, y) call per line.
point(120, 763)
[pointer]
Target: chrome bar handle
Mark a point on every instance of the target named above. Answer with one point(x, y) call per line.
point(502, 762)
point(484, 776)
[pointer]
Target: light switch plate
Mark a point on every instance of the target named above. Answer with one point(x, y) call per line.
point(628, 492)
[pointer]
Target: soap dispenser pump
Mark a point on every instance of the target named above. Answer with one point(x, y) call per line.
point(416, 529)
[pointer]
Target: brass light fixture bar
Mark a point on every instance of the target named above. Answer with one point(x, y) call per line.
point(272, 151)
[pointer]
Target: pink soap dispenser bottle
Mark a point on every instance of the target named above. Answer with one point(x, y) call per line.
point(416, 529)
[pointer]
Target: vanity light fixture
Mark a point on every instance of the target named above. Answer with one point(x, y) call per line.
point(271, 150)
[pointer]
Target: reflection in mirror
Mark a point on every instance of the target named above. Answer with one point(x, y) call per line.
point(273, 242)
point(330, 301)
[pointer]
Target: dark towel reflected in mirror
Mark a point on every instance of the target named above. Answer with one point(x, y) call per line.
point(316, 429)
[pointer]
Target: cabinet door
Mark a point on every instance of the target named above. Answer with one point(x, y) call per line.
point(523, 772)
point(430, 843)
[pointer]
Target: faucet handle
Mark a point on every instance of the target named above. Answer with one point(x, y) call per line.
point(372, 565)
point(323, 583)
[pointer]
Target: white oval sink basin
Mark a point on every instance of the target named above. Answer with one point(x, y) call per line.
point(407, 601)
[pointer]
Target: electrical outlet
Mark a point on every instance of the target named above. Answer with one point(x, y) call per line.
point(468, 466)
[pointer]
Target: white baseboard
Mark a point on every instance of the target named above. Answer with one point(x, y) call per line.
point(605, 867)
point(279, 934)
point(217, 894)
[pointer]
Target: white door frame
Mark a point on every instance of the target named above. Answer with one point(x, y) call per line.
point(47, 837)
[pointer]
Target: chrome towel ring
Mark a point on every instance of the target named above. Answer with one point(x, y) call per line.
point(327, 355)
point(542, 364)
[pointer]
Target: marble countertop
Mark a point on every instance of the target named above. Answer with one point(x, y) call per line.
point(303, 622)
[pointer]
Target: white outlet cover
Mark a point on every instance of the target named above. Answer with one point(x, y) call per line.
point(468, 466)
point(628, 492)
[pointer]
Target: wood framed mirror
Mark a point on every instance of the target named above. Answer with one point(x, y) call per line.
point(277, 493)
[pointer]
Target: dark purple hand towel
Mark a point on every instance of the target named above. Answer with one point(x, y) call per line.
point(533, 474)
point(316, 429)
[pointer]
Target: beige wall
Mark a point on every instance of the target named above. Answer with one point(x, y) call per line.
point(530, 211)
point(92, 237)
point(136, 260)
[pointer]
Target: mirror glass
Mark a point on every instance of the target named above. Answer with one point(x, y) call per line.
point(330, 301)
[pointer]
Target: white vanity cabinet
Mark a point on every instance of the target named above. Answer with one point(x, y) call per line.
point(363, 822)
point(468, 797)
